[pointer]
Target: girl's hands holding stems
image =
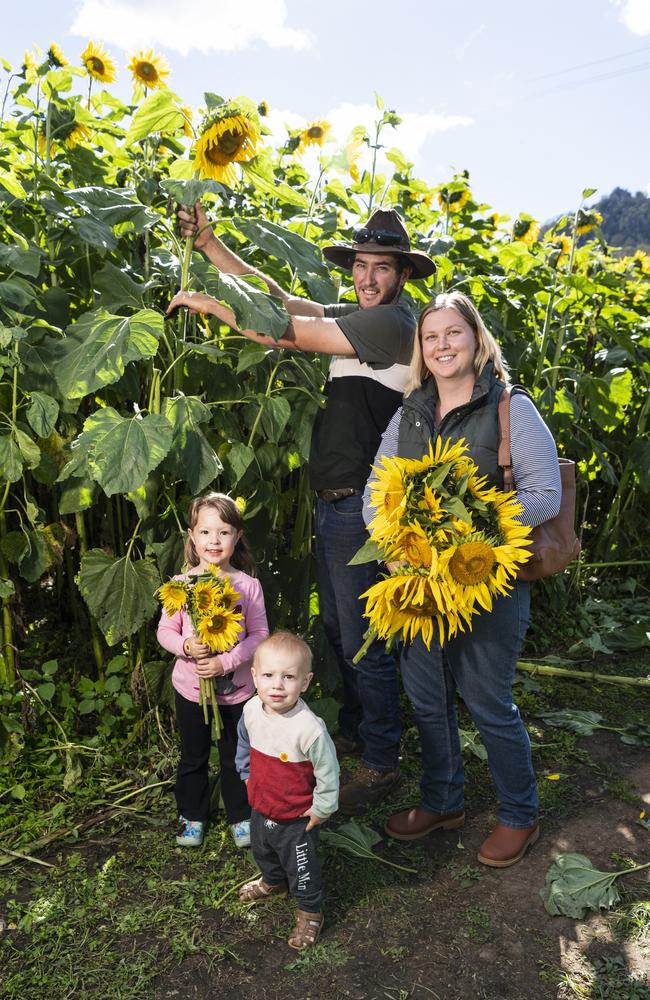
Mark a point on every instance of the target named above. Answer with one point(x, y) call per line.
point(209, 666)
point(195, 648)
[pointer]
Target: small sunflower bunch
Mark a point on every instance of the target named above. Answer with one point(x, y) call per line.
point(229, 134)
point(456, 542)
point(211, 602)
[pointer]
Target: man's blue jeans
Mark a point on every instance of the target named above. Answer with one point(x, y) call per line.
point(480, 665)
point(371, 688)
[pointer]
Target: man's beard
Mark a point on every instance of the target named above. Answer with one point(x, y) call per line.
point(390, 295)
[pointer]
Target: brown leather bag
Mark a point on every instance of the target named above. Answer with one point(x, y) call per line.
point(555, 543)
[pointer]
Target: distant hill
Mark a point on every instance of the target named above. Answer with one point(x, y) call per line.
point(626, 219)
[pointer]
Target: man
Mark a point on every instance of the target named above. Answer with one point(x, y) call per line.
point(370, 344)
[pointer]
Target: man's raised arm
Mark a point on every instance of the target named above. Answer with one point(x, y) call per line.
point(196, 224)
point(304, 333)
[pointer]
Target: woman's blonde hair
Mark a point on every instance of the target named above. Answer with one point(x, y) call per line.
point(229, 513)
point(487, 347)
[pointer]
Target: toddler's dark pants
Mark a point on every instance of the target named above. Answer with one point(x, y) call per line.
point(192, 785)
point(287, 851)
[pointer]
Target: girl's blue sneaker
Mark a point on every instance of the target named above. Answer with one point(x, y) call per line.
point(241, 833)
point(190, 832)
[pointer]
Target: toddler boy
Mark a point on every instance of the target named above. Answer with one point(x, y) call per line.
point(289, 764)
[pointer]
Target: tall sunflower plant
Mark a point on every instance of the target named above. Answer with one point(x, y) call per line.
point(211, 602)
point(230, 134)
point(454, 543)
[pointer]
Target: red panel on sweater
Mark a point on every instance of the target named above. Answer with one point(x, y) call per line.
point(280, 789)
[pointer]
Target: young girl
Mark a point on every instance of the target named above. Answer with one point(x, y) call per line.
point(215, 538)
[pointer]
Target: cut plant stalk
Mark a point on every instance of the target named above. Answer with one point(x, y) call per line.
point(581, 675)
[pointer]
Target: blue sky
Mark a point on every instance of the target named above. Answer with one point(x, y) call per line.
point(537, 101)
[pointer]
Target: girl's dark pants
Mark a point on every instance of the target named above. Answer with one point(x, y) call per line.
point(192, 785)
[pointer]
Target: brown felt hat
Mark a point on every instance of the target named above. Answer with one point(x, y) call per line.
point(384, 232)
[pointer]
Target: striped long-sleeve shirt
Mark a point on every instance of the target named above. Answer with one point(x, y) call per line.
point(535, 466)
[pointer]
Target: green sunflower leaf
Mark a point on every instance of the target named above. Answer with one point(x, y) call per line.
point(122, 451)
point(573, 887)
point(284, 245)
point(42, 413)
point(190, 457)
point(189, 192)
point(370, 551)
point(575, 720)
point(259, 172)
point(97, 349)
point(119, 592)
point(248, 298)
point(160, 112)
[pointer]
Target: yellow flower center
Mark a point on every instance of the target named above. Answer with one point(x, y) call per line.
point(95, 64)
point(472, 563)
point(315, 132)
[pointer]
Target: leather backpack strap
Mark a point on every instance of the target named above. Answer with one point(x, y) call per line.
point(504, 457)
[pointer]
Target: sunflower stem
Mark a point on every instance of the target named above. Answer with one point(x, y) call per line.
point(582, 675)
point(369, 638)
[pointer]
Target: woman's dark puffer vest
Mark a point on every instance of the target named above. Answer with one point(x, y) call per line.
point(476, 421)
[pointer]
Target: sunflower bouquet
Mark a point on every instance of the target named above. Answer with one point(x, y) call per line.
point(456, 543)
point(211, 602)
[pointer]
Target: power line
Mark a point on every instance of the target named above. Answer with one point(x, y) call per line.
point(594, 62)
point(591, 79)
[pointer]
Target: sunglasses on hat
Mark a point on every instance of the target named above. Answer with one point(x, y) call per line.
point(383, 237)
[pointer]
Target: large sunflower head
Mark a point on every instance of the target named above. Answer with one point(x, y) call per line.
point(313, 135)
point(149, 69)
point(173, 596)
point(219, 630)
point(55, 56)
point(525, 229)
point(226, 140)
point(472, 561)
point(205, 597)
point(98, 63)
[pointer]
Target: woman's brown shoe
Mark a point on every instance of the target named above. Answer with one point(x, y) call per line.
point(411, 824)
point(507, 845)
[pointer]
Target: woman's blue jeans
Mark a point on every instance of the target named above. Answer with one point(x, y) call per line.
point(480, 665)
point(371, 688)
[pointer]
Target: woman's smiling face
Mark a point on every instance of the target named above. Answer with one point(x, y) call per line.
point(448, 345)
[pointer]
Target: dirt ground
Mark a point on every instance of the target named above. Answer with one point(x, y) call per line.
point(437, 934)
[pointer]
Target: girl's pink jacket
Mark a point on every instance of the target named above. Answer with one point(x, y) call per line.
point(237, 662)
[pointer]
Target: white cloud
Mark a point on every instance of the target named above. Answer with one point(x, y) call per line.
point(409, 136)
point(635, 15)
point(195, 25)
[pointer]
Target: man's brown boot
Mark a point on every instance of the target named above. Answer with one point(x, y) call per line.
point(507, 845)
point(411, 824)
point(366, 788)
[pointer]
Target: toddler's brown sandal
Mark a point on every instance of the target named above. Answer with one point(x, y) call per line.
point(258, 891)
point(307, 930)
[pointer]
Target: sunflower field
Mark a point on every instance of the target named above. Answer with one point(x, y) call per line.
point(112, 418)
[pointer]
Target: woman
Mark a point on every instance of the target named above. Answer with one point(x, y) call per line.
point(457, 376)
